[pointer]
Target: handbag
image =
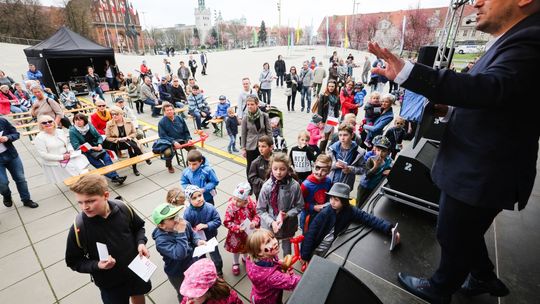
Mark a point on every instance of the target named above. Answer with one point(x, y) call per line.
point(97, 154)
point(76, 165)
point(315, 106)
point(288, 92)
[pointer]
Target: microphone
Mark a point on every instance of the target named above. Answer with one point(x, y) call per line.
point(469, 21)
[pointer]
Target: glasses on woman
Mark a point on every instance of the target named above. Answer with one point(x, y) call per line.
point(115, 114)
point(48, 122)
point(101, 106)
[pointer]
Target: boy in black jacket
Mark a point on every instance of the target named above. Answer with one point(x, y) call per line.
point(116, 225)
point(231, 124)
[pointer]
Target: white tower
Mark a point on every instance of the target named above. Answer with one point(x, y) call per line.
point(203, 21)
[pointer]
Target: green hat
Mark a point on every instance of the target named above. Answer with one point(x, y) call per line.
point(164, 211)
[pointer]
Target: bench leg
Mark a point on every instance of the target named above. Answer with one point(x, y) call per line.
point(180, 158)
point(221, 128)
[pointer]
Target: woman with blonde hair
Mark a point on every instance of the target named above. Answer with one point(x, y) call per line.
point(121, 134)
point(57, 155)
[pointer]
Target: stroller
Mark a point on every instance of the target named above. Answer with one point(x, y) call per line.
point(276, 123)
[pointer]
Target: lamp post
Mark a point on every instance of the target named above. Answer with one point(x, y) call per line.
point(142, 32)
point(279, 18)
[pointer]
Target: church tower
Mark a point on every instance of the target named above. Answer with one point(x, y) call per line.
point(203, 21)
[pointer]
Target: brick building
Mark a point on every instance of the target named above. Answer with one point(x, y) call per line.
point(116, 24)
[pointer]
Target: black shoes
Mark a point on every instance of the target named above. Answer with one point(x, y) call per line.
point(119, 179)
point(136, 172)
point(8, 201)
point(422, 288)
point(148, 162)
point(30, 204)
point(473, 287)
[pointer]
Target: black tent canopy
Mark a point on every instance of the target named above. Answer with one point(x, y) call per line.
point(64, 57)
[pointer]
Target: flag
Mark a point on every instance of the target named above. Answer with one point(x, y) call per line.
point(346, 43)
point(85, 147)
point(122, 8)
point(298, 32)
point(402, 34)
point(332, 121)
point(112, 155)
point(100, 6)
point(131, 10)
point(104, 5)
point(292, 37)
point(113, 8)
point(327, 35)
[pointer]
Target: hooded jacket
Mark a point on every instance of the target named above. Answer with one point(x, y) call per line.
point(206, 214)
point(268, 282)
point(354, 158)
point(204, 177)
point(314, 134)
point(176, 248)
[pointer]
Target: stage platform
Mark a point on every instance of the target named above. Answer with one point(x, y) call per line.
point(512, 242)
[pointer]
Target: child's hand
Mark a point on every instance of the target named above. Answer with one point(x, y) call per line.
point(201, 243)
point(181, 226)
point(386, 172)
point(346, 170)
point(318, 208)
point(200, 227)
point(275, 226)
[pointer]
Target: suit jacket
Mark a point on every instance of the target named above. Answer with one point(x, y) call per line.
point(492, 114)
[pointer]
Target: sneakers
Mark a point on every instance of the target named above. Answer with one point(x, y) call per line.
point(423, 289)
point(8, 201)
point(119, 179)
point(216, 131)
point(235, 269)
point(235, 150)
point(30, 204)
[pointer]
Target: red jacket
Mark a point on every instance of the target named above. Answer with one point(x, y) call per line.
point(5, 102)
point(347, 102)
point(98, 123)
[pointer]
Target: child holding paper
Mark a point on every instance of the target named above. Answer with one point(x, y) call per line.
point(240, 217)
point(204, 219)
point(175, 242)
point(280, 201)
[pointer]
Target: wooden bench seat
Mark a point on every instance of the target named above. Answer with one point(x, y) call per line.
point(218, 121)
point(21, 119)
point(30, 133)
point(114, 167)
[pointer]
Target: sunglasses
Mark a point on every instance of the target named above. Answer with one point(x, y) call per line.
point(48, 122)
point(323, 168)
point(115, 114)
point(101, 106)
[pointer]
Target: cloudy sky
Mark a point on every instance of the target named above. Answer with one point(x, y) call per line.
point(163, 13)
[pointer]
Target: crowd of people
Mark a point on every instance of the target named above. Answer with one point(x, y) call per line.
point(306, 190)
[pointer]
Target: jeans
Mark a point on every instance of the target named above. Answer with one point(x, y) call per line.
point(152, 103)
point(349, 71)
point(317, 88)
point(279, 78)
point(17, 109)
point(112, 84)
point(290, 101)
point(266, 95)
point(306, 94)
point(460, 232)
point(197, 115)
point(98, 163)
point(99, 91)
point(232, 143)
point(218, 261)
point(15, 168)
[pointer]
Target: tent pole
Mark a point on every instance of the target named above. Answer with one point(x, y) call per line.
point(52, 76)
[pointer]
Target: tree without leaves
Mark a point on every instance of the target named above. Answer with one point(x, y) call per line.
point(417, 31)
point(78, 17)
point(262, 34)
point(214, 36)
point(196, 33)
point(27, 19)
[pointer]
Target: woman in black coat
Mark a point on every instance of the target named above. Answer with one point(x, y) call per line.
point(291, 80)
point(329, 106)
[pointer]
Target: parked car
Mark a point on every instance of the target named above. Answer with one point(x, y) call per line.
point(469, 49)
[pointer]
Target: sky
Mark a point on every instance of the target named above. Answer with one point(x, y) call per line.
point(166, 13)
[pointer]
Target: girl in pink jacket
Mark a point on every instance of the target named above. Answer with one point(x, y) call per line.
point(316, 132)
point(265, 270)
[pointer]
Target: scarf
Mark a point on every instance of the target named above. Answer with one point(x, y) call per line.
point(275, 194)
point(107, 116)
point(82, 130)
point(254, 116)
point(332, 99)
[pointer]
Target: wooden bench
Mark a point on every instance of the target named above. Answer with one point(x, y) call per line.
point(27, 113)
point(30, 133)
point(22, 119)
point(220, 122)
point(114, 167)
point(145, 141)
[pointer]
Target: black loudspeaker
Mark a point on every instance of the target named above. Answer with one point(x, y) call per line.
point(427, 54)
point(326, 282)
point(410, 176)
point(430, 126)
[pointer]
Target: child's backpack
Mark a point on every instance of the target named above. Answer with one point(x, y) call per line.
point(80, 231)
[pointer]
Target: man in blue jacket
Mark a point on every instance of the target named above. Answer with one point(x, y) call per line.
point(173, 129)
point(10, 160)
point(472, 170)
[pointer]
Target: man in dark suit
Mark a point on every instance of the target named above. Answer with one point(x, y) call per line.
point(477, 177)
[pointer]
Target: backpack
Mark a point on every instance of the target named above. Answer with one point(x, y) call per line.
point(80, 231)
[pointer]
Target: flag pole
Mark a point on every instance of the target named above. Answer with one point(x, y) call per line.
point(115, 19)
point(106, 28)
